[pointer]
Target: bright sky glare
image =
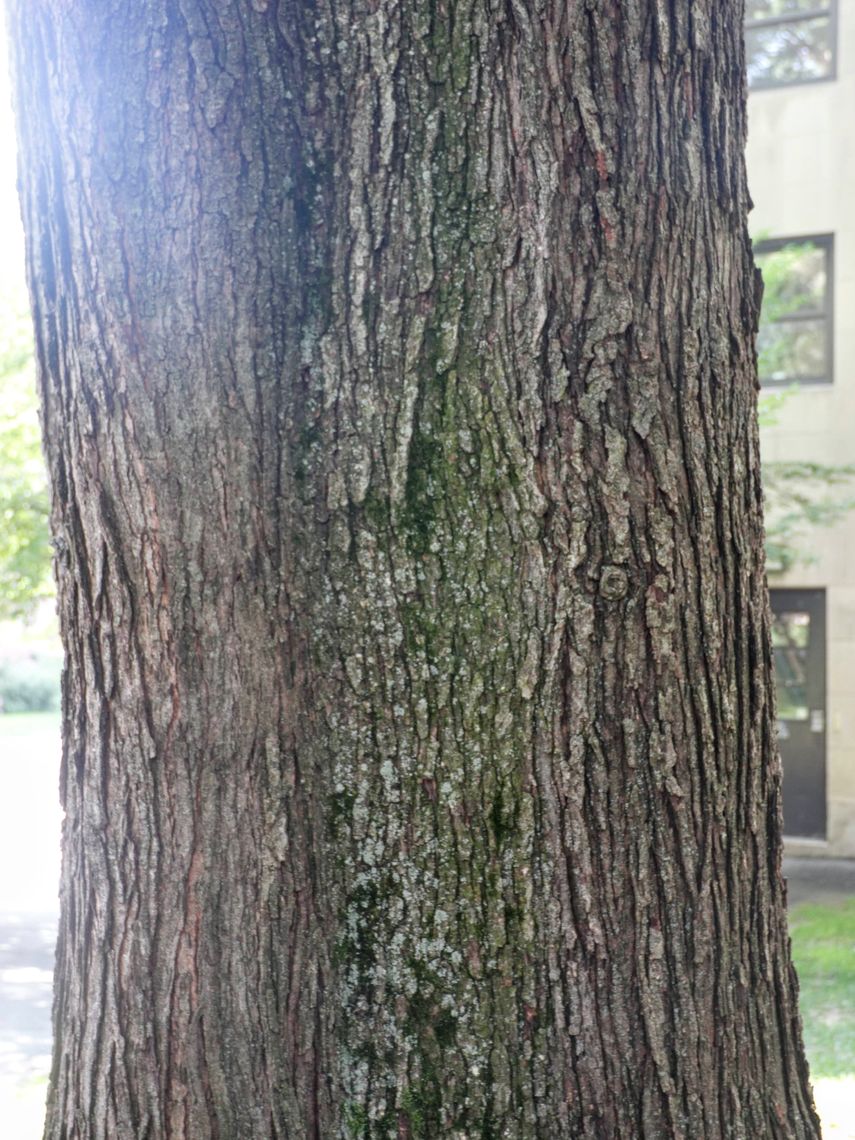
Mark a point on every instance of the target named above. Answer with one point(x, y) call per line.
point(11, 234)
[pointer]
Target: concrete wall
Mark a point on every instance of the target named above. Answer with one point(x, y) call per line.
point(801, 165)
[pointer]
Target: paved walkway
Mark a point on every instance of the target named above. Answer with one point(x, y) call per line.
point(26, 977)
point(819, 880)
point(29, 874)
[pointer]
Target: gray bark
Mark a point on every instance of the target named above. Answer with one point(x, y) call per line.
point(399, 399)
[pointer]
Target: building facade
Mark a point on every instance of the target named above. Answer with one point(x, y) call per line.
point(801, 165)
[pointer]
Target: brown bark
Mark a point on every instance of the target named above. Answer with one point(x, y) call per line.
point(399, 402)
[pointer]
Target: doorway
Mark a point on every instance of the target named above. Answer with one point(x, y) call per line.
point(798, 641)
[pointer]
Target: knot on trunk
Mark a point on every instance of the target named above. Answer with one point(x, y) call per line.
point(614, 583)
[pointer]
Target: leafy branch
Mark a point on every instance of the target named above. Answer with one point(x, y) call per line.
point(25, 556)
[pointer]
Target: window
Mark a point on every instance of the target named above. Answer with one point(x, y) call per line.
point(790, 641)
point(794, 343)
point(789, 41)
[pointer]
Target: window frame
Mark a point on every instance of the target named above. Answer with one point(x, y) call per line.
point(824, 242)
point(830, 10)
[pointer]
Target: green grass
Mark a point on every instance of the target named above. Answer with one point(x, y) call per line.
point(824, 953)
point(13, 726)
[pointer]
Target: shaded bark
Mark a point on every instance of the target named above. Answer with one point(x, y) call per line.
point(399, 400)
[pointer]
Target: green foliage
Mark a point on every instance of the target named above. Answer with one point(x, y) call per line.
point(30, 684)
point(25, 556)
point(798, 495)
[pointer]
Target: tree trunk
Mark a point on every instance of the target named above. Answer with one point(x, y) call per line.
point(399, 400)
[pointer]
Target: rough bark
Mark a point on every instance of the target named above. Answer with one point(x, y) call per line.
point(399, 402)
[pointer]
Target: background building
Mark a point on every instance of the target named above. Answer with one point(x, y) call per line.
point(801, 164)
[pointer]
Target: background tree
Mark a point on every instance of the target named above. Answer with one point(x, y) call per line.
point(25, 576)
point(398, 386)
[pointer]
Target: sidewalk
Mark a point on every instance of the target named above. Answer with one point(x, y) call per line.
point(818, 880)
point(26, 976)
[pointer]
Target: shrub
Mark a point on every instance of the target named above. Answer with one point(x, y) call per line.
point(30, 684)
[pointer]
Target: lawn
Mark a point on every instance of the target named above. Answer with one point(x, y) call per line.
point(24, 726)
point(824, 952)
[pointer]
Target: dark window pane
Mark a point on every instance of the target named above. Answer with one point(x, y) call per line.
point(795, 279)
point(786, 53)
point(792, 702)
point(794, 337)
point(790, 637)
point(769, 9)
point(791, 630)
point(792, 350)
